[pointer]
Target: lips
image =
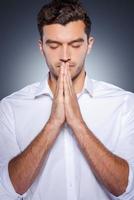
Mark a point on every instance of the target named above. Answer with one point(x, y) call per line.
point(71, 65)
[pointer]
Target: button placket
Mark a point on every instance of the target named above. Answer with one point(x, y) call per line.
point(69, 163)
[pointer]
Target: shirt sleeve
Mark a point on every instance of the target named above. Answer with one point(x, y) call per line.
point(125, 146)
point(8, 150)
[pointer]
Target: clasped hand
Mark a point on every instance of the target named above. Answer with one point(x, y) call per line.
point(65, 107)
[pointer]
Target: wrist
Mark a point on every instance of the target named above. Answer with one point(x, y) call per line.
point(77, 124)
point(54, 123)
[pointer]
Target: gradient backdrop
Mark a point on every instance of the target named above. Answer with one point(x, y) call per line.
point(111, 60)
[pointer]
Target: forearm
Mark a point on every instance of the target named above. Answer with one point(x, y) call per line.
point(24, 168)
point(107, 167)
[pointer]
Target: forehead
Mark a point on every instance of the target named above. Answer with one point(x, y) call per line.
point(64, 33)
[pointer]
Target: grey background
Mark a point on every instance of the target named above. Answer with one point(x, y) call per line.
point(111, 59)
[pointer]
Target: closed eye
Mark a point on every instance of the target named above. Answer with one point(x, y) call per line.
point(53, 45)
point(76, 44)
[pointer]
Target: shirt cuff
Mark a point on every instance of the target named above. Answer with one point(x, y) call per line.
point(7, 190)
point(129, 193)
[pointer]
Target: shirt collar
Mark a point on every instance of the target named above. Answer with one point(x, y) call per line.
point(44, 89)
point(88, 85)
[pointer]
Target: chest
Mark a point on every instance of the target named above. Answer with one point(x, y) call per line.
point(102, 116)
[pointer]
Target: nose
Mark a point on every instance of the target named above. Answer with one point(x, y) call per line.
point(65, 54)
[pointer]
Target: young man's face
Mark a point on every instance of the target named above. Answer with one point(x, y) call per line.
point(65, 44)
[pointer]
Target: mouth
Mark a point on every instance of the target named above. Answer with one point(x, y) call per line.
point(71, 65)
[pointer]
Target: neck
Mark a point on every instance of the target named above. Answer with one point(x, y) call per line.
point(78, 82)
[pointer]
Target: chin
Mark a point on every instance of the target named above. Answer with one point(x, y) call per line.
point(75, 75)
point(53, 74)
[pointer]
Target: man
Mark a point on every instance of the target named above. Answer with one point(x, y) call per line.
point(68, 137)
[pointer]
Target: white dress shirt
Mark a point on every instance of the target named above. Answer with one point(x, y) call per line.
point(107, 110)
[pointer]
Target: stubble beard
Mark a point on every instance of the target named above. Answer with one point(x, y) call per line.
point(74, 76)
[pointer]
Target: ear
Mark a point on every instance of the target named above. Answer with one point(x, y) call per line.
point(90, 43)
point(40, 44)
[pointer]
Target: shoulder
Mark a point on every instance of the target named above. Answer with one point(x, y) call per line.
point(106, 89)
point(24, 94)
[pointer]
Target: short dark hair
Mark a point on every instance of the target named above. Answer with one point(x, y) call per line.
point(62, 12)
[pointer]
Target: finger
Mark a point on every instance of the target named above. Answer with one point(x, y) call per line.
point(66, 89)
point(60, 82)
point(69, 80)
point(69, 76)
point(59, 87)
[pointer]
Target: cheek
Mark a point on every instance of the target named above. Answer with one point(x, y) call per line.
point(80, 54)
point(82, 50)
point(50, 55)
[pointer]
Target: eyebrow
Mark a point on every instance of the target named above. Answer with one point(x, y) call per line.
point(57, 42)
